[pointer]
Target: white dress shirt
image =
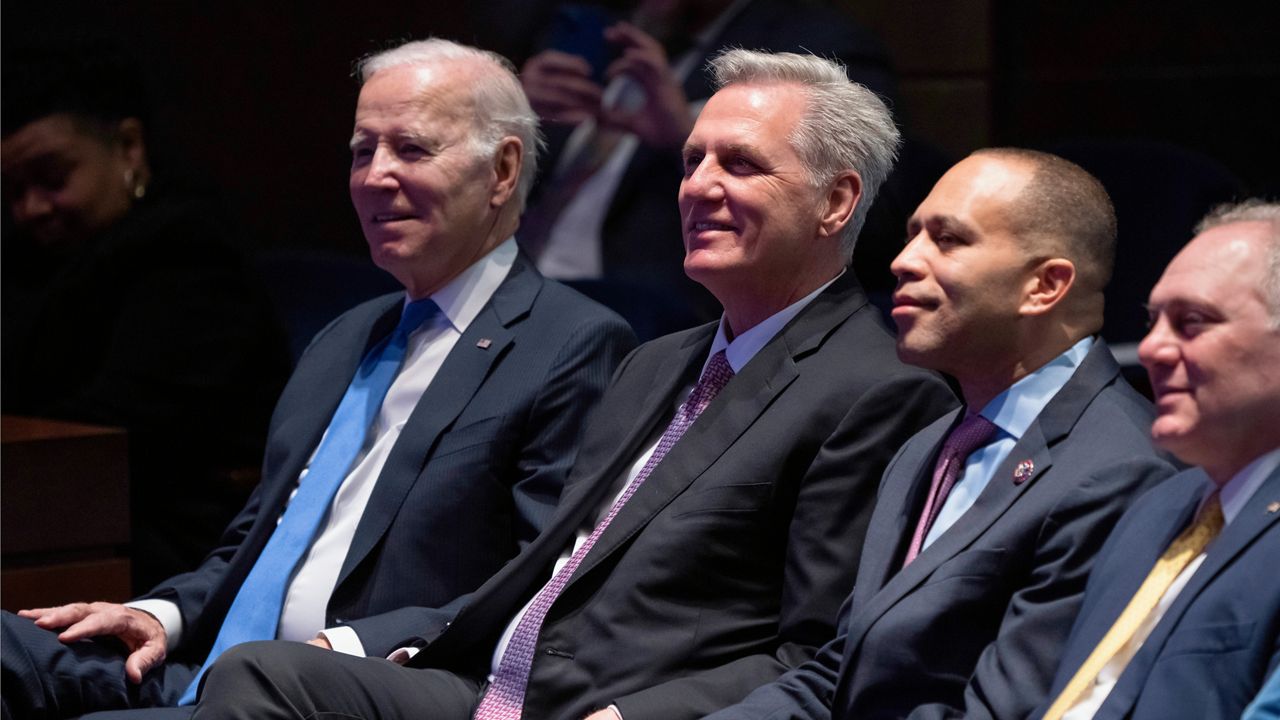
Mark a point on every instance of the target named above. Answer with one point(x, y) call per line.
point(1233, 497)
point(314, 579)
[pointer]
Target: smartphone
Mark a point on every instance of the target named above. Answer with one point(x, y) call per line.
point(579, 30)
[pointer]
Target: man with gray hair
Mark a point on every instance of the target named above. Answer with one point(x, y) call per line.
point(422, 441)
point(1182, 613)
point(715, 515)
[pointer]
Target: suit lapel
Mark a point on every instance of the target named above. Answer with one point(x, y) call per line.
point(737, 407)
point(461, 375)
point(583, 498)
point(1238, 536)
point(327, 383)
point(1051, 425)
point(897, 507)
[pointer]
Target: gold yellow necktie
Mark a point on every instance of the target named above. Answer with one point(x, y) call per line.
point(1185, 548)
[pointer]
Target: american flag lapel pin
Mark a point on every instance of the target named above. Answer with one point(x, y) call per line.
point(484, 343)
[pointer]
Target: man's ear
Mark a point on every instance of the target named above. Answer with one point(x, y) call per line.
point(507, 161)
point(842, 198)
point(1048, 283)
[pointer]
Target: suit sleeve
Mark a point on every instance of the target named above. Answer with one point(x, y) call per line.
point(1015, 670)
point(824, 539)
point(191, 591)
point(552, 431)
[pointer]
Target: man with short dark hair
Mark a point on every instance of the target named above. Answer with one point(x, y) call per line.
point(422, 441)
point(1182, 613)
point(714, 518)
point(987, 521)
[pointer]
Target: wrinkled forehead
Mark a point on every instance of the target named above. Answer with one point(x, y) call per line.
point(440, 88)
point(762, 113)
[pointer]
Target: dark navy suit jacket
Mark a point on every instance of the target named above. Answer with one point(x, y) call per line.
point(1217, 643)
point(974, 626)
point(474, 476)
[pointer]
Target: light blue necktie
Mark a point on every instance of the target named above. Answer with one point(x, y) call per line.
point(255, 613)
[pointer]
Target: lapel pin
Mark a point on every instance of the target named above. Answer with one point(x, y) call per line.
point(484, 343)
point(1273, 507)
point(1023, 471)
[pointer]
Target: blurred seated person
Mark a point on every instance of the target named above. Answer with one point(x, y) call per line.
point(124, 304)
point(618, 98)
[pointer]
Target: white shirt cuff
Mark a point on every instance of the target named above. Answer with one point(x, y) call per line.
point(403, 655)
point(344, 640)
point(169, 616)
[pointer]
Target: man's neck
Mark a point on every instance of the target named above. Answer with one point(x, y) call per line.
point(995, 375)
point(744, 308)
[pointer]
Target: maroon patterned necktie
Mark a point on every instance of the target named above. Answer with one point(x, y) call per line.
point(504, 700)
point(971, 434)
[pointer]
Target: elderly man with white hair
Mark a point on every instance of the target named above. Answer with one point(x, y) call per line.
point(422, 441)
point(715, 516)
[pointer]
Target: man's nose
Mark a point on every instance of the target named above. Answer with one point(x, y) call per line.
point(1159, 346)
point(908, 260)
point(383, 168)
point(702, 183)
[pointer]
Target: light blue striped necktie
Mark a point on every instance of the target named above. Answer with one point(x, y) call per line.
point(255, 613)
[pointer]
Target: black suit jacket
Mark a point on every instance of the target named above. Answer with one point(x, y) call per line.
point(974, 626)
point(474, 476)
point(728, 564)
point(641, 237)
point(1219, 640)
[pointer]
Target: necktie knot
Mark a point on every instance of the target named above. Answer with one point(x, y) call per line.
point(414, 315)
point(714, 377)
point(972, 433)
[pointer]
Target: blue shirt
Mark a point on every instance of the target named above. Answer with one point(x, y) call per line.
point(1012, 412)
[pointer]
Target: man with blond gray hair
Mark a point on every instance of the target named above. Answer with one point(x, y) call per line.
point(422, 441)
point(1182, 614)
point(715, 515)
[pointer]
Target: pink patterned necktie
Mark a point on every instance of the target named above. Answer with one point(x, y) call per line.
point(504, 700)
point(971, 434)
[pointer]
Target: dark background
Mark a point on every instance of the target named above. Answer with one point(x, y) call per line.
point(257, 97)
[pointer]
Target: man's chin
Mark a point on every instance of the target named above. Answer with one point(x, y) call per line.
point(1172, 434)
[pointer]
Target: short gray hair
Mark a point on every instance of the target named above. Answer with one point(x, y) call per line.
point(1255, 210)
point(845, 126)
point(501, 107)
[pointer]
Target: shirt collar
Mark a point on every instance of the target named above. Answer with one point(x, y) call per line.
point(745, 345)
point(462, 298)
point(1245, 483)
point(1016, 408)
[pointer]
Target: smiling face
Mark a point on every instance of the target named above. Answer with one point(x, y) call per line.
point(963, 274)
point(752, 218)
point(1213, 352)
point(424, 195)
point(63, 184)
